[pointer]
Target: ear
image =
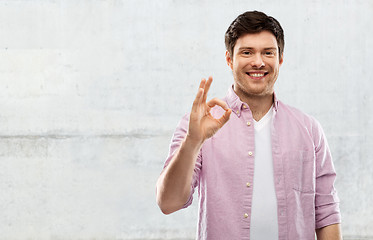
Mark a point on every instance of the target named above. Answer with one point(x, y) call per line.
point(281, 59)
point(229, 59)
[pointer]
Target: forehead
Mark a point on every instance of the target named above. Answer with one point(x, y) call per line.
point(261, 40)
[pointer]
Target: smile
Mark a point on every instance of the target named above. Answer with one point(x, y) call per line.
point(257, 74)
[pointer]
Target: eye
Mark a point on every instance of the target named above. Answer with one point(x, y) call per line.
point(246, 52)
point(269, 53)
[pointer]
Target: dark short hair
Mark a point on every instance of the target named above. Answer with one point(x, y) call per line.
point(253, 22)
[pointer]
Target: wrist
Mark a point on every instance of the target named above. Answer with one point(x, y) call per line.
point(192, 143)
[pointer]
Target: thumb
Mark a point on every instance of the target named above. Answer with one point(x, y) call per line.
point(225, 117)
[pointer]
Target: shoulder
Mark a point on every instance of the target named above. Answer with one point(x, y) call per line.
point(296, 115)
point(293, 117)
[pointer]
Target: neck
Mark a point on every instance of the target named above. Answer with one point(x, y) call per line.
point(259, 104)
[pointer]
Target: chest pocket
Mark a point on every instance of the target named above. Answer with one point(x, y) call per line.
point(300, 168)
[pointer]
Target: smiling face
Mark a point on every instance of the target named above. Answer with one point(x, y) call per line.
point(255, 64)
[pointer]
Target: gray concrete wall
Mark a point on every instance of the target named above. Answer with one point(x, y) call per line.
point(91, 92)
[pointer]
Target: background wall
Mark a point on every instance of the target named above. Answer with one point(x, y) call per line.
point(91, 92)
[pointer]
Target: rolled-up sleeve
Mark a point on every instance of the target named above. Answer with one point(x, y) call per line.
point(326, 199)
point(178, 137)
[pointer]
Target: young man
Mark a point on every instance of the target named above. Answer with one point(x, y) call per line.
point(263, 169)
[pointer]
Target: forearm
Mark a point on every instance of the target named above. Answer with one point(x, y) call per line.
point(174, 184)
point(331, 232)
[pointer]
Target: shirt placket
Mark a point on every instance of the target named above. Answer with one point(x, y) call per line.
point(248, 169)
point(279, 182)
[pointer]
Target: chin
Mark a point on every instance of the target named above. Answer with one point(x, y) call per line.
point(259, 92)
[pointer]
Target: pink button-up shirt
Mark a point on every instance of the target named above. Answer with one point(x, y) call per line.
point(302, 168)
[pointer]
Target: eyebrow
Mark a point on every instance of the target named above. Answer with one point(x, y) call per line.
point(250, 48)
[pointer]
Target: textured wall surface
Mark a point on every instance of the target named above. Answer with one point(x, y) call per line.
point(91, 92)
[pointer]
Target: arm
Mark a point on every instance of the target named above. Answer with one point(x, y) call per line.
point(331, 232)
point(327, 213)
point(174, 183)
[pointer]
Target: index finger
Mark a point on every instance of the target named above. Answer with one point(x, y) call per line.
point(216, 101)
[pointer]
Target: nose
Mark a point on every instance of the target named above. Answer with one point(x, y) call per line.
point(257, 61)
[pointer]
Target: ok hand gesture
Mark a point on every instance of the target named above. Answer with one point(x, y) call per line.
point(202, 125)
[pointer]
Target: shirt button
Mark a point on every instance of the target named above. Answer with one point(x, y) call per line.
point(248, 184)
point(248, 123)
point(244, 106)
point(237, 112)
point(246, 215)
point(250, 153)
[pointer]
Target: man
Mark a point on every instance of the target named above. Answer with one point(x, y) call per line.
point(263, 169)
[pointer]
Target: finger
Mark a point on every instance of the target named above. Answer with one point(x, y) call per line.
point(202, 83)
point(225, 117)
point(200, 90)
point(197, 101)
point(207, 87)
point(216, 101)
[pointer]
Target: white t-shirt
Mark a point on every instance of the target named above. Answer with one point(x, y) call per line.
point(264, 224)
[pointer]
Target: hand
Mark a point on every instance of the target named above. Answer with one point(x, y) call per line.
point(202, 125)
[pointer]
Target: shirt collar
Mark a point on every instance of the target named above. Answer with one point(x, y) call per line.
point(237, 105)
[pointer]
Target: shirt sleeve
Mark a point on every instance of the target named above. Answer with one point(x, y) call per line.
point(326, 199)
point(178, 137)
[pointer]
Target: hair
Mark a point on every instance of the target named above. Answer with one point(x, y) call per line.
point(253, 22)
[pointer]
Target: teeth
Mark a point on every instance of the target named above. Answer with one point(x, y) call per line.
point(257, 74)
